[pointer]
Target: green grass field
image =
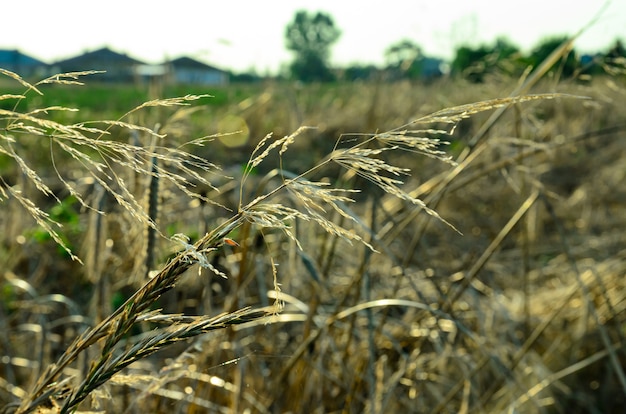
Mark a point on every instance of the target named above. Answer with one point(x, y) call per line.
point(490, 281)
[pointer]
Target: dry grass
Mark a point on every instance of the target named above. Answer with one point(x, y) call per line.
point(341, 294)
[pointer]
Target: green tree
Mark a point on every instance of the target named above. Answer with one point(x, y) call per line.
point(504, 49)
point(360, 72)
point(617, 50)
point(507, 57)
point(612, 61)
point(405, 58)
point(310, 37)
point(569, 63)
point(474, 63)
point(470, 63)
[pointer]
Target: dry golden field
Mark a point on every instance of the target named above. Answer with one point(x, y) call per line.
point(503, 292)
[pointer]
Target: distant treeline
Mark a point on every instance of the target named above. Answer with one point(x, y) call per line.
point(405, 60)
point(310, 36)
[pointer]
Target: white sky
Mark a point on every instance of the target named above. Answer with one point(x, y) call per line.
point(244, 34)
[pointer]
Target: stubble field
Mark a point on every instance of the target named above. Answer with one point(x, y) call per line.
point(504, 292)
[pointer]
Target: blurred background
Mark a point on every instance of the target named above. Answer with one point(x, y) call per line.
point(521, 310)
point(245, 37)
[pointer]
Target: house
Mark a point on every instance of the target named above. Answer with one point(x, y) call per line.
point(432, 68)
point(118, 66)
point(24, 65)
point(186, 70)
point(151, 73)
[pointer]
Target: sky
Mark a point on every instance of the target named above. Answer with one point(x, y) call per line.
point(241, 35)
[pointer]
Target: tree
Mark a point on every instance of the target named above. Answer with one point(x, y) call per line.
point(360, 72)
point(617, 50)
point(569, 62)
point(504, 49)
point(615, 59)
point(310, 37)
point(474, 63)
point(507, 57)
point(405, 58)
point(470, 63)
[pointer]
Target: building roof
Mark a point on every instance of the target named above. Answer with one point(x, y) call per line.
point(187, 62)
point(101, 55)
point(14, 58)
